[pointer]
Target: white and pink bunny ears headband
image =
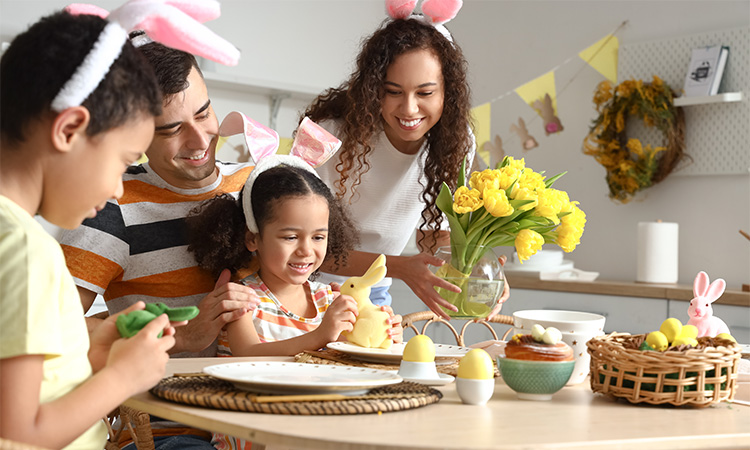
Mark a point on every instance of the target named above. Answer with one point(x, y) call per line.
point(436, 12)
point(312, 147)
point(174, 23)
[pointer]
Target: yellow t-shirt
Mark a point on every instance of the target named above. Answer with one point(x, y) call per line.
point(41, 312)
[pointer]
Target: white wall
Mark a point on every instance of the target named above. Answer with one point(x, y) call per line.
point(507, 43)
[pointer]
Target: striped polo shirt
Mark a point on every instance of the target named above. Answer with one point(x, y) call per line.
point(136, 247)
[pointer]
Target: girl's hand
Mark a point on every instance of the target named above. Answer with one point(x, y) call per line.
point(396, 332)
point(141, 360)
point(339, 317)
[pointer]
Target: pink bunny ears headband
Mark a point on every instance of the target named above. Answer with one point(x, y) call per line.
point(436, 12)
point(174, 23)
point(312, 147)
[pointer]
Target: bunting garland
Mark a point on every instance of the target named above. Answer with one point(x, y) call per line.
point(541, 95)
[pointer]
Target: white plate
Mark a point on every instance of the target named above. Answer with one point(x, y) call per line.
point(297, 378)
point(444, 353)
point(443, 379)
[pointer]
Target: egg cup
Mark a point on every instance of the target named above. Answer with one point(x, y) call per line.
point(423, 373)
point(475, 392)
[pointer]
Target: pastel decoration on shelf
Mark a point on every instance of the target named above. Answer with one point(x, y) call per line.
point(576, 328)
point(371, 327)
point(475, 380)
point(700, 311)
point(418, 362)
point(128, 325)
point(260, 140)
point(658, 252)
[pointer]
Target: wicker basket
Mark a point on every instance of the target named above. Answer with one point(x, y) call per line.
point(679, 376)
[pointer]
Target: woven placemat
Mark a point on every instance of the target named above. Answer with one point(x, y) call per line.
point(210, 392)
point(330, 356)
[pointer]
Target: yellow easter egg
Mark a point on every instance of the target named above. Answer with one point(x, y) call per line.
point(684, 340)
point(657, 340)
point(420, 348)
point(475, 365)
point(726, 336)
point(689, 331)
point(671, 328)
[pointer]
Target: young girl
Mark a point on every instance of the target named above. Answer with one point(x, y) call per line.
point(403, 118)
point(284, 226)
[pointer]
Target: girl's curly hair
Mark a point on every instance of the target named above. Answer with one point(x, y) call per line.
point(216, 228)
point(357, 102)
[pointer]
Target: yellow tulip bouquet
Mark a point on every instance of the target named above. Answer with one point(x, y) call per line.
point(509, 205)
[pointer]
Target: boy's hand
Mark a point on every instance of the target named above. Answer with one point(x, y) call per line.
point(396, 332)
point(226, 303)
point(141, 360)
point(339, 317)
point(103, 336)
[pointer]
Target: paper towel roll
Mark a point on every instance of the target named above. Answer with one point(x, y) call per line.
point(657, 252)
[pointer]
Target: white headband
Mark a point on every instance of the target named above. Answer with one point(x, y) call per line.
point(176, 24)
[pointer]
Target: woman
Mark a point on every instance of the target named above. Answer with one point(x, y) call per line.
point(404, 120)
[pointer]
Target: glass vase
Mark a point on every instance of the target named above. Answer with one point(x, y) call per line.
point(479, 274)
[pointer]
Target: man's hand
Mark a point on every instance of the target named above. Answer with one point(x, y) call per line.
point(226, 303)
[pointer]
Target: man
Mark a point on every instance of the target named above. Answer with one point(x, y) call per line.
point(136, 248)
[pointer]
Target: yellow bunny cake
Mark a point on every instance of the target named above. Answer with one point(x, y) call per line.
point(371, 328)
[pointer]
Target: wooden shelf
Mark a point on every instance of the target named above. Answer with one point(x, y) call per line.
point(726, 97)
point(623, 288)
point(262, 87)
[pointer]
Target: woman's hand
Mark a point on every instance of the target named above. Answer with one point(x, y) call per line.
point(506, 292)
point(413, 271)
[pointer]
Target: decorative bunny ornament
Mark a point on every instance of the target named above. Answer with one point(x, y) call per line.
point(371, 328)
point(436, 12)
point(700, 311)
point(174, 23)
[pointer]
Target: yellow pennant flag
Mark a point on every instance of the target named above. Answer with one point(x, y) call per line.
point(537, 88)
point(481, 119)
point(285, 146)
point(602, 56)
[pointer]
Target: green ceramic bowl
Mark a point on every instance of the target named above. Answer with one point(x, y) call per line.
point(535, 380)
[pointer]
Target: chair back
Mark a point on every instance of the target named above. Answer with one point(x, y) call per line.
point(410, 321)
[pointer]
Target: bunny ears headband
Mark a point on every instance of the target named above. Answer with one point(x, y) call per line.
point(436, 12)
point(174, 23)
point(312, 147)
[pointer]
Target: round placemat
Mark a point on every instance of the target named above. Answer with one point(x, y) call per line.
point(210, 392)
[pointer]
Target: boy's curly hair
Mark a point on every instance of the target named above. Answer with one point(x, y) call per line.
point(356, 105)
point(216, 228)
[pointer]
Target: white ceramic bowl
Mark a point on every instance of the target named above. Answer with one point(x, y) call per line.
point(475, 392)
point(576, 327)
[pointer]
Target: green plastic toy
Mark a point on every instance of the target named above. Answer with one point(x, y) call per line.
point(131, 323)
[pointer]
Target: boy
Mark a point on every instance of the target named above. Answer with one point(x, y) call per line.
point(63, 158)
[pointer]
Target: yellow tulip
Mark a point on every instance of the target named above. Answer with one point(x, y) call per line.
point(486, 179)
point(496, 203)
point(531, 180)
point(527, 243)
point(551, 202)
point(525, 194)
point(466, 200)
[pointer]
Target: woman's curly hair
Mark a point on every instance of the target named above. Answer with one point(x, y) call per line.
point(357, 106)
point(216, 228)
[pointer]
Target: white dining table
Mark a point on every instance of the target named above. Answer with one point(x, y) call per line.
point(575, 417)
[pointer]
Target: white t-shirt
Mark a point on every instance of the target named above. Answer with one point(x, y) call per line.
point(388, 203)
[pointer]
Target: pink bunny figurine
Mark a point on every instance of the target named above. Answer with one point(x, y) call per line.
point(700, 311)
